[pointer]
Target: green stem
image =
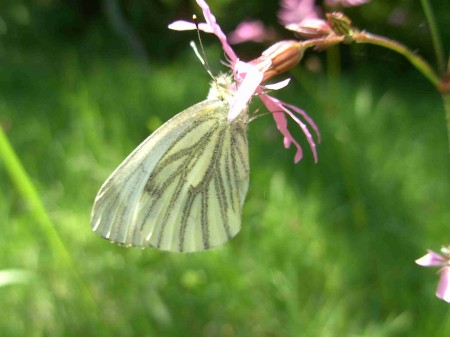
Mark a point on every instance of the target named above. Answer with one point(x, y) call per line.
point(26, 188)
point(435, 36)
point(446, 101)
point(417, 61)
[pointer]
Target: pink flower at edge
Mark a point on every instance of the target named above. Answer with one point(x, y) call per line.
point(293, 11)
point(345, 3)
point(432, 259)
point(251, 30)
point(303, 17)
point(248, 77)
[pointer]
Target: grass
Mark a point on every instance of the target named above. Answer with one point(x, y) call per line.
point(325, 250)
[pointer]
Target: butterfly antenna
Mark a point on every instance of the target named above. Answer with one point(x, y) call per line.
point(202, 56)
point(251, 119)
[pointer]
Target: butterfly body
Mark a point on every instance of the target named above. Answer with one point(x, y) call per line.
point(183, 188)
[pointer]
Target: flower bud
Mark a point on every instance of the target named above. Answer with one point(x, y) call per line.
point(341, 24)
point(283, 56)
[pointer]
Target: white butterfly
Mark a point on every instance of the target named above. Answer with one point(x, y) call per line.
point(183, 188)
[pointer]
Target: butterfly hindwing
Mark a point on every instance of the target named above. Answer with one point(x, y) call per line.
point(183, 188)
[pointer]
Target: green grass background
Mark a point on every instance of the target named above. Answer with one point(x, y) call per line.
point(325, 249)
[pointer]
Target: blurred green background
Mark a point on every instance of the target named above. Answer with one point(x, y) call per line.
point(325, 249)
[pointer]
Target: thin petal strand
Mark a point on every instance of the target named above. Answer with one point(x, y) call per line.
point(305, 130)
point(211, 20)
point(274, 106)
point(306, 117)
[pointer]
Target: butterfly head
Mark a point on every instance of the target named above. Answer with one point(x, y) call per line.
point(222, 87)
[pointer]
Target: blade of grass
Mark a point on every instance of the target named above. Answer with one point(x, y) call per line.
point(435, 35)
point(24, 185)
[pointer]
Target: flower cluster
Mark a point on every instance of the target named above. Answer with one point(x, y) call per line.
point(249, 77)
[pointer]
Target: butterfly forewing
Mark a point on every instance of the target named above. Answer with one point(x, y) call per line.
point(183, 188)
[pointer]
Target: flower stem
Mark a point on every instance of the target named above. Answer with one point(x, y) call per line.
point(435, 36)
point(441, 84)
point(417, 61)
point(446, 101)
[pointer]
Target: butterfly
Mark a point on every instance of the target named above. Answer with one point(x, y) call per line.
point(182, 189)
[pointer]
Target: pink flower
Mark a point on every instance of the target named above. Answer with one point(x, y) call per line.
point(303, 17)
point(250, 75)
point(295, 11)
point(433, 259)
point(345, 3)
point(251, 31)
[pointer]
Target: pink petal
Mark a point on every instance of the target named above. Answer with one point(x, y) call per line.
point(278, 85)
point(274, 106)
point(181, 25)
point(242, 68)
point(443, 290)
point(306, 117)
point(432, 259)
point(204, 27)
point(245, 92)
point(305, 130)
point(211, 20)
point(186, 25)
